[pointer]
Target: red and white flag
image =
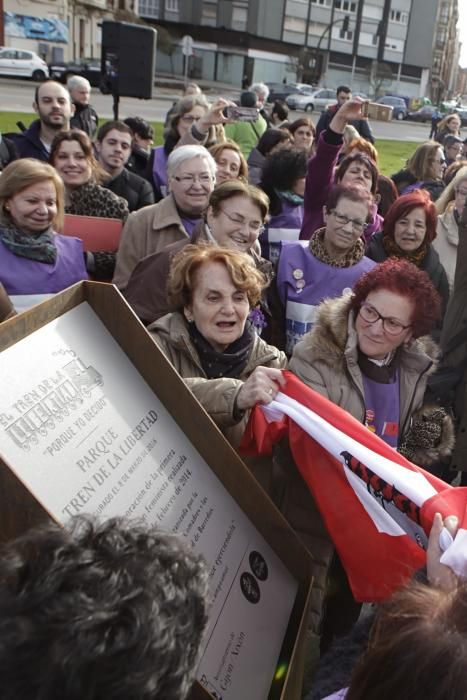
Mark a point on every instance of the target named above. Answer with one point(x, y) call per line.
point(377, 506)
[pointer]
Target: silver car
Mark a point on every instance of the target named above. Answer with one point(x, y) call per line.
point(318, 99)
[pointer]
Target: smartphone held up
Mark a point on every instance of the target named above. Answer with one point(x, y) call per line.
point(240, 114)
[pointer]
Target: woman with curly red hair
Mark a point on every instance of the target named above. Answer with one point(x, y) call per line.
point(370, 353)
point(408, 232)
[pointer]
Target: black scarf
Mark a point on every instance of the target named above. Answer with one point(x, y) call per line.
point(383, 374)
point(39, 247)
point(229, 363)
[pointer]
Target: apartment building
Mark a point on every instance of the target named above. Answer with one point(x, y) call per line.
point(375, 45)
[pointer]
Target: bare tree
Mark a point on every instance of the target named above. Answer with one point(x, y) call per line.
point(379, 77)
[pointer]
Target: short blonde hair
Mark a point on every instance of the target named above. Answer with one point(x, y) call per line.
point(23, 173)
point(185, 265)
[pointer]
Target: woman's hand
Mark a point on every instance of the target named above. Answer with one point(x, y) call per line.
point(261, 387)
point(438, 574)
point(352, 109)
point(214, 115)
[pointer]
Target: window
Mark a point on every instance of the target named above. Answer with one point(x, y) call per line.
point(24, 55)
point(171, 5)
point(149, 8)
point(345, 5)
point(209, 14)
point(339, 33)
point(324, 3)
point(398, 16)
point(239, 18)
point(394, 44)
point(294, 24)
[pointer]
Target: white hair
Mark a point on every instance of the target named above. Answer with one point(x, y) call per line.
point(261, 89)
point(183, 153)
point(77, 81)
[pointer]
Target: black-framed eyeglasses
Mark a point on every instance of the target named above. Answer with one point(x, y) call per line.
point(188, 180)
point(390, 325)
point(357, 225)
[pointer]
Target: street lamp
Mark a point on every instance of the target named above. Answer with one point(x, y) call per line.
point(345, 28)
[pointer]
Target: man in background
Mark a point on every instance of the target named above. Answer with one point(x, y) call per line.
point(343, 95)
point(85, 116)
point(52, 104)
point(113, 147)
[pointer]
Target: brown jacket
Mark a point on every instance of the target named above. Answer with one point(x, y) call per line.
point(147, 231)
point(146, 291)
point(217, 396)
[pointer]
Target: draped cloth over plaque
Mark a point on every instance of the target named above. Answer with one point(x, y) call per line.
point(377, 506)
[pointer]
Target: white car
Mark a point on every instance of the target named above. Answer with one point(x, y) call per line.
point(21, 63)
point(318, 99)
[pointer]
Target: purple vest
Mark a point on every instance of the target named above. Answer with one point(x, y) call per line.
point(23, 276)
point(303, 282)
point(382, 409)
point(159, 170)
point(338, 695)
point(282, 227)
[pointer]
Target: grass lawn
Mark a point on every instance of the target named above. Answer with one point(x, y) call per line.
point(392, 154)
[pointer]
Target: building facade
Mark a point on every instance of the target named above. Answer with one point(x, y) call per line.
point(377, 46)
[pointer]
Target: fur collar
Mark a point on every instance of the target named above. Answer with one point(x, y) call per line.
point(333, 337)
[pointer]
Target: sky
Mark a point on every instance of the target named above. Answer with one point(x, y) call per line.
point(463, 31)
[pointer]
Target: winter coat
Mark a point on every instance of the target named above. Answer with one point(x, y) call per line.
point(28, 143)
point(406, 182)
point(147, 231)
point(86, 119)
point(362, 125)
point(217, 396)
point(91, 199)
point(246, 134)
point(135, 189)
point(431, 265)
point(319, 180)
point(447, 241)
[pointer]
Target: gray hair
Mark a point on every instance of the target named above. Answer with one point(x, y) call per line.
point(77, 81)
point(260, 89)
point(183, 153)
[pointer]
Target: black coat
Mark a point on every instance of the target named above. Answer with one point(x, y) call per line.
point(86, 119)
point(135, 189)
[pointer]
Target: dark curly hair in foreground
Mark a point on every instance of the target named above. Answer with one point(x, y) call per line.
point(109, 611)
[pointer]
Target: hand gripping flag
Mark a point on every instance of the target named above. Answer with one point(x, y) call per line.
point(377, 506)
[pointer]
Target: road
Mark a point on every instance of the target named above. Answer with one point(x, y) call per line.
point(17, 96)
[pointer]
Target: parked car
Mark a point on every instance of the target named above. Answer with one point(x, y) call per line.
point(280, 91)
point(20, 63)
point(423, 114)
point(89, 68)
point(318, 99)
point(399, 107)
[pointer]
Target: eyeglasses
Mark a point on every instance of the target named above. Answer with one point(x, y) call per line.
point(189, 180)
point(441, 161)
point(254, 226)
point(357, 225)
point(390, 325)
point(189, 119)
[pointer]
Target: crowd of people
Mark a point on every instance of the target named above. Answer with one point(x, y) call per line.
point(247, 248)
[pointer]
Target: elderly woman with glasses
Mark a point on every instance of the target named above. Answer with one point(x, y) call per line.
point(234, 219)
point(323, 267)
point(408, 232)
point(191, 174)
